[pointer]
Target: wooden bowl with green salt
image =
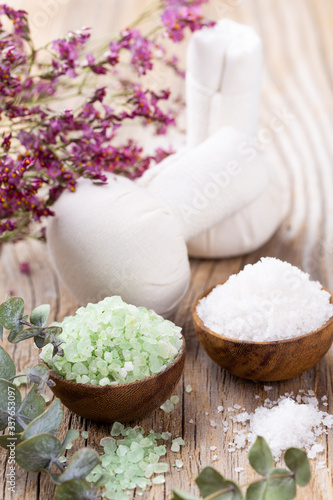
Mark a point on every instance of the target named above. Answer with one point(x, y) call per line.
point(264, 361)
point(123, 402)
point(118, 362)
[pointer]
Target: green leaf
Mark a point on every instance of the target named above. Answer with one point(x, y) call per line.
point(47, 422)
point(298, 462)
point(83, 462)
point(256, 491)
point(28, 333)
point(10, 401)
point(38, 452)
point(71, 435)
point(38, 374)
point(6, 440)
point(15, 331)
point(40, 315)
point(260, 457)
point(51, 334)
point(11, 312)
point(210, 481)
point(32, 406)
point(280, 485)
point(7, 366)
point(181, 495)
point(76, 489)
point(1, 332)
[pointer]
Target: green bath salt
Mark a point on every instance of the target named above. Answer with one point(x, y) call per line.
point(112, 342)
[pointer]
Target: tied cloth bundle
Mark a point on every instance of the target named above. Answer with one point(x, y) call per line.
point(129, 238)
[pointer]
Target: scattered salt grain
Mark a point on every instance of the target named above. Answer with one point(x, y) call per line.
point(213, 423)
point(237, 407)
point(46, 398)
point(168, 406)
point(62, 459)
point(191, 421)
point(284, 424)
point(219, 409)
point(239, 469)
point(324, 398)
point(269, 300)
point(256, 396)
point(174, 400)
point(268, 387)
point(179, 464)
point(188, 388)
point(133, 451)
point(212, 448)
point(176, 444)
point(214, 458)
point(84, 434)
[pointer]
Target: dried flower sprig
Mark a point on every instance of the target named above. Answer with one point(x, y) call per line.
point(45, 149)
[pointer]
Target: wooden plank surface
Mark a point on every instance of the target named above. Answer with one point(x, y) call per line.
point(298, 82)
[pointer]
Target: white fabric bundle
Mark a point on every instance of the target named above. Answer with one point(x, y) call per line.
point(129, 238)
point(223, 88)
point(222, 80)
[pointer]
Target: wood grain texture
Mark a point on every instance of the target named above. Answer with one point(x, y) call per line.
point(297, 88)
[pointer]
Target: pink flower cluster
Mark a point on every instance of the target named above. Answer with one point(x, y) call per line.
point(43, 151)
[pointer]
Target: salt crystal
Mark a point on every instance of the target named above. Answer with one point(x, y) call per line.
point(213, 423)
point(268, 387)
point(214, 458)
point(219, 409)
point(324, 398)
point(231, 409)
point(311, 392)
point(168, 406)
point(269, 300)
point(179, 464)
point(284, 425)
point(206, 413)
point(256, 396)
point(325, 404)
point(237, 407)
point(212, 448)
point(239, 469)
point(191, 421)
point(158, 480)
point(188, 388)
point(174, 400)
point(84, 434)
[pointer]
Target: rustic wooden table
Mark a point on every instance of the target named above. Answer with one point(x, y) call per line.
point(298, 84)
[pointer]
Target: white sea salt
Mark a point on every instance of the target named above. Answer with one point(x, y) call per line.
point(269, 300)
point(212, 448)
point(220, 409)
point(285, 424)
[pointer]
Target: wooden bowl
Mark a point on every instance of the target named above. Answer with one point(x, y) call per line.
point(264, 361)
point(124, 402)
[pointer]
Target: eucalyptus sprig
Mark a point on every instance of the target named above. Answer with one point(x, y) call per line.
point(277, 483)
point(31, 426)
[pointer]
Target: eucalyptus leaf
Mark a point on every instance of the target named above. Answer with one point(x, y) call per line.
point(38, 452)
point(32, 406)
point(40, 315)
point(49, 421)
point(83, 462)
point(298, 462)
point(11, 312)
point(16, 330)
point(280, 485)
point(76, 489)
point(182, 495)
point(260, 457)
point(71, 435)
point(256, 491)
point(210, 481)
point(51, 334)
point(28, 333)
point(8, 439)
point(7, 366)
point(10, 401)
point(37, 373)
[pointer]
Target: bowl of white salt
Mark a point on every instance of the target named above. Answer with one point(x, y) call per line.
point(269, 322)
